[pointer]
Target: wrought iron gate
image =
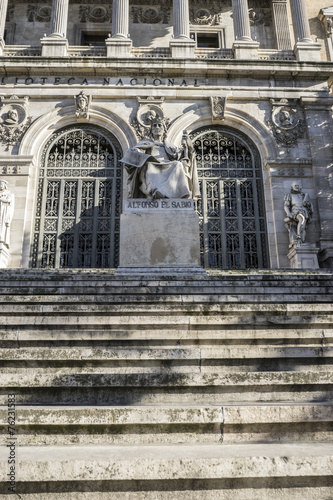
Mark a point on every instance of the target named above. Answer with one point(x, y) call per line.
point(231, 209)
point(79, 200)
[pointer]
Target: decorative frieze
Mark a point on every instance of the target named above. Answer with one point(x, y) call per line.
point(41, 14)
point(98, 14)
point(151, 15)
point(286, 124)
point(205, 16)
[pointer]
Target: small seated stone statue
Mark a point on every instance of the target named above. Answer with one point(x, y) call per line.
point(157, 169)
point(299, 210)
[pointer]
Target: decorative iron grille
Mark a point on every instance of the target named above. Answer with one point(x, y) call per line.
point(79, 200)
point(231, 208)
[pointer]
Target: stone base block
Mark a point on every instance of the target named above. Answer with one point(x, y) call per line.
point(182, 48)
point(4, 256)
point(2, 46)
point(118, 47)
point(307, 51)
point(245, 49)
point(304, 256)
point(326, 258)
point(54, 47)
point(159, 234)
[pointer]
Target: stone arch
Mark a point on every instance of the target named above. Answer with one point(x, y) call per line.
point(40, 132)
point(78, 199)
point(257, 133)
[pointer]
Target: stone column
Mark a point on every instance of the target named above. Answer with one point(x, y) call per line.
point(244, 47)
point(56, 44)
point(59, 18)
point(119, 45)
point(120, 19)
point(240, 12)
point(300, 21)
point(305, 48)
point(3, 14)
point(181, 46)
point(181, 19)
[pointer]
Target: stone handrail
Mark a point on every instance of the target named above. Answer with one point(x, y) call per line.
point(22, 50)
point(276, 55)
point(86, 51)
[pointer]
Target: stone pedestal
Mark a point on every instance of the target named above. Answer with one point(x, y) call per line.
point(4, 256)
point(307, 51)
point(245, 49)
point(54, 47)
point(118, 47)
point(304, 256)
point(159, 236)
point(182, 48)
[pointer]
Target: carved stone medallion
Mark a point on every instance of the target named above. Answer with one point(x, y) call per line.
point(148, 110)
point(286, 124)
point(14, 119)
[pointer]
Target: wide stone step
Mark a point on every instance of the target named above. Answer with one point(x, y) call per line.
point(139, 360)
point(168, 387)
point(173, 335)
point(160, 354)
point(278, 471)
point(45, 425)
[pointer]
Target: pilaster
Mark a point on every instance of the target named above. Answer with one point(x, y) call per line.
point(318, 115)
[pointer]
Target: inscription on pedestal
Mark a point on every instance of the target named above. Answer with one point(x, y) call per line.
point(135, 205)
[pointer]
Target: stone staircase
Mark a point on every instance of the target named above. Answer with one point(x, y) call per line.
point(166, 388)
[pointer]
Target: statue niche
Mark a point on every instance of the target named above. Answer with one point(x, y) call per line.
point(158, 170)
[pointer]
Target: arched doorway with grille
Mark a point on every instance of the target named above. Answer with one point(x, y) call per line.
point(232, 207)
point(78, 200)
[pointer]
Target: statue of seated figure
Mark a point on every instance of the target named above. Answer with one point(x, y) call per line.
point(157, 169)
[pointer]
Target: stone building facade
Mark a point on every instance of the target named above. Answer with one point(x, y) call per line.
point(247, 79)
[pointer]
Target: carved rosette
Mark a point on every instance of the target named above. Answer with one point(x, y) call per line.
point(98, 14)
point(14, 119)
point(286, 125)
point(148, 109)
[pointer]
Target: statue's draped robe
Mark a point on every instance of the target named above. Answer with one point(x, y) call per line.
point(159, 170)
point(6, 215)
